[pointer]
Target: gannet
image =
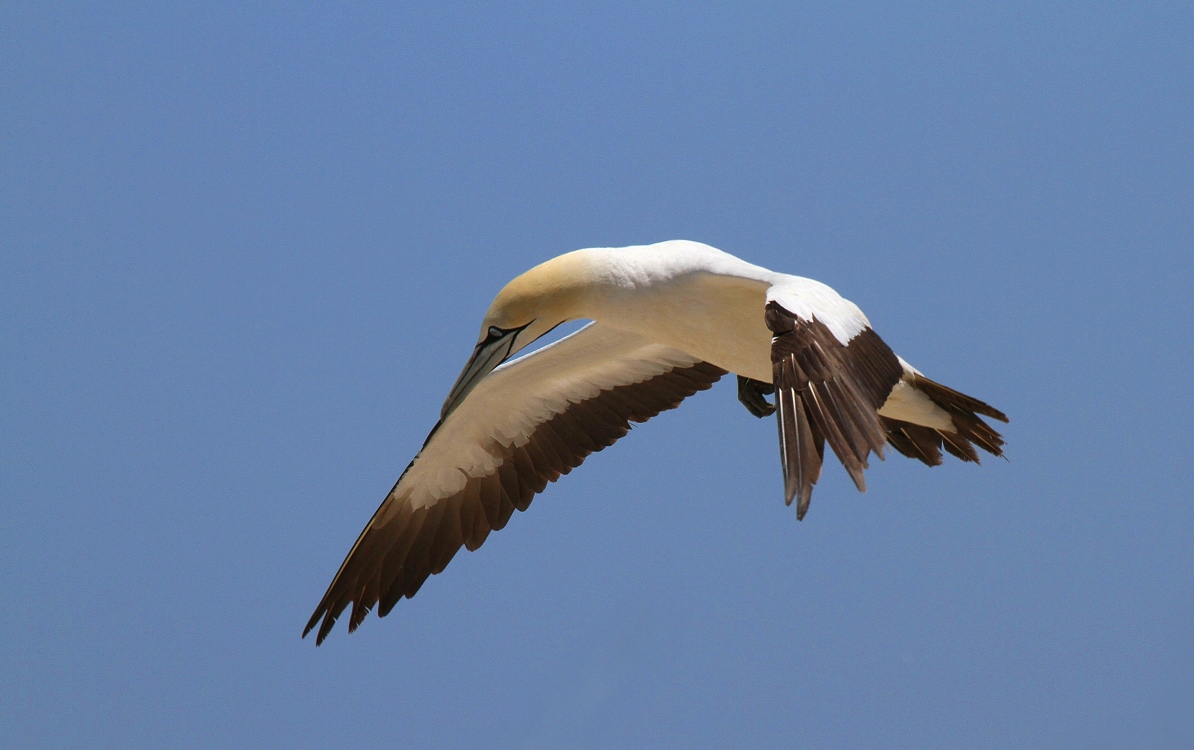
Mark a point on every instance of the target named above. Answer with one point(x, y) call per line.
point(668, 320)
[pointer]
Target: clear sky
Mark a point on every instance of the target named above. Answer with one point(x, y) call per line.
point(246, 251)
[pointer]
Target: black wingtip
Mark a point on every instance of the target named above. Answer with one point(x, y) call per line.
point(802, 503)
point(315, 617)
point(859, 478)
point(325, 627)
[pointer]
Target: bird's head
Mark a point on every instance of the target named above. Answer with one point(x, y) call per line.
point(528, 307)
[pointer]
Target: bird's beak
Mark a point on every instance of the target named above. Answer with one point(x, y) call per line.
point(490, 353)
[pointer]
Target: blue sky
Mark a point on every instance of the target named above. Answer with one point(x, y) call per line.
point(245, 251)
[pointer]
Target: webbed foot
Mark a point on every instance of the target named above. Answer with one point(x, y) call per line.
point(752, 392)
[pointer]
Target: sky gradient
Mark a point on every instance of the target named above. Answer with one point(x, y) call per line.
point(244, 252)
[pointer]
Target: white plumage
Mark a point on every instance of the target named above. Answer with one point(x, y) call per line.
point(669, 320)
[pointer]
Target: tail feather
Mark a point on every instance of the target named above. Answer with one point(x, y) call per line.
point(926, 443)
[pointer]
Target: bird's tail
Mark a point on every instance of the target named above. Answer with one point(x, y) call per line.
point(925, 443)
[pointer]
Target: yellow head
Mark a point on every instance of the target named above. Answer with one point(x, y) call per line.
point(526, 308)
point(542, 298)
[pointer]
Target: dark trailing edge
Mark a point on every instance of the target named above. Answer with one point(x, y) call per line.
point(392, 559)
point(825, 391)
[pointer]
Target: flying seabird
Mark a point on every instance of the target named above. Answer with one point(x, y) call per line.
point(668, 320)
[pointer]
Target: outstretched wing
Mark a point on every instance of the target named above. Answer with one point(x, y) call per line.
point(831, 374)
point(528, 422)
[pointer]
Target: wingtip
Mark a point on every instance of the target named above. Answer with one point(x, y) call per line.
point(859, 479)
point(325, 627)
point(806, 498)
point(307, 630)
point(313, 622)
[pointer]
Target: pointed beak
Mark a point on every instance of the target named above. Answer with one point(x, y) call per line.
point(490, 353)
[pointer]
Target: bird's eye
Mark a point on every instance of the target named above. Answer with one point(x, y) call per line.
point(495, 332)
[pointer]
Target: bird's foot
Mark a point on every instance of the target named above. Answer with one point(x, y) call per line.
point(752, 395)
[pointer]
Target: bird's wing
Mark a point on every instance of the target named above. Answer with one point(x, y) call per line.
point(525, 424)
point(831, 374)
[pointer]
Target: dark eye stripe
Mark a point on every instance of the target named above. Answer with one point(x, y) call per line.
point(494, 333)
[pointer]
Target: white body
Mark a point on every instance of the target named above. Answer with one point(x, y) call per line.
point(710, 304)
point(669, 320)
